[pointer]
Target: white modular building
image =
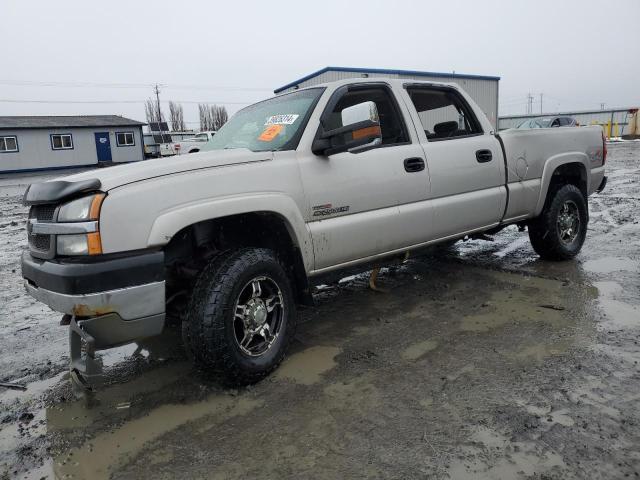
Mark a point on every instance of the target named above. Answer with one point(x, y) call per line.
point(35, 143)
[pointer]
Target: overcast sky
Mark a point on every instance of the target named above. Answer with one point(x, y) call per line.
point(579, 54)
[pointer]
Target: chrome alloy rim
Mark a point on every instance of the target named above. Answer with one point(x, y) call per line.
point(568, 222)
point(258, 315)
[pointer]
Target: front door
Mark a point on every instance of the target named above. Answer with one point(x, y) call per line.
point(353, 198)
point(103, 146)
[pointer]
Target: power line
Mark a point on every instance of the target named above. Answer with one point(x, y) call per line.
point(223, 102)
point(28, 83)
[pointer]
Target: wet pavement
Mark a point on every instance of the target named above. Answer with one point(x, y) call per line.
point(480, 361)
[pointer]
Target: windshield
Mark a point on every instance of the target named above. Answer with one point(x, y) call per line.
point(270, 125)
point(536, 123)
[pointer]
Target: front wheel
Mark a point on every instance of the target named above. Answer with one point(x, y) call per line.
point(242, 315)
point(559, 232)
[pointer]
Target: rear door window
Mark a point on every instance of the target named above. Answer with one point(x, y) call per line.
point(444, 113)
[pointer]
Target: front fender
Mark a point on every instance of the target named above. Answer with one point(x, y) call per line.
point(172, 221)
point(550, 167)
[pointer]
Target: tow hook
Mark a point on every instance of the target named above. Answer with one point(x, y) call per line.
point(86, 369)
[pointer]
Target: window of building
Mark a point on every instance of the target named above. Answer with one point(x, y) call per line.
point(8, 144)
point(443, 112)
point(61, 141)
point(125, 139)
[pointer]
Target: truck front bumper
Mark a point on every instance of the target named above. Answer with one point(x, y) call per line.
point(111, 301)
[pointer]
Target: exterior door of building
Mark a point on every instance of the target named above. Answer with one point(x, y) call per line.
point(103, 146)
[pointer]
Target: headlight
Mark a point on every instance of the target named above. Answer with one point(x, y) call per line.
point(73, 245)
point(83, 244)
point(85, 208)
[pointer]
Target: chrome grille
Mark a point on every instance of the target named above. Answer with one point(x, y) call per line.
point(40, 242)
point(40, 245)
point(42, 213)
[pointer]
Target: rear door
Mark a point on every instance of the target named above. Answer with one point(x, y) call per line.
point(465, 162)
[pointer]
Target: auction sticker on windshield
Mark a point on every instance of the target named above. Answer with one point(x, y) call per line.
point(270, 133)
point(282, 119)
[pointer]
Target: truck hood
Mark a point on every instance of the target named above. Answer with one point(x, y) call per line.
point(116, 176)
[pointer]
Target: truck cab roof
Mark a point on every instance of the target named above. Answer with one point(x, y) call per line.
point(398, 82)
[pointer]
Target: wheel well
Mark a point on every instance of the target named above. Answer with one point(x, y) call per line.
point(192, 247)
point(570, 173)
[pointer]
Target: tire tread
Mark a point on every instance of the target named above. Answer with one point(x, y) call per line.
point(209, 306)
point(542, 229)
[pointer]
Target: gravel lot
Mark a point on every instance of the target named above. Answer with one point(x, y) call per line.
point(480, 361)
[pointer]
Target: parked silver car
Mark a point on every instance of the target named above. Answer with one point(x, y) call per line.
point(548, 122)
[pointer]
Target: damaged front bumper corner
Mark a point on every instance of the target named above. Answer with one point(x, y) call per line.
point(106, 304)
point(88, 335)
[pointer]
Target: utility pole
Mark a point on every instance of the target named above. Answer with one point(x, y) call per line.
point(540, 103)
point(156, 90)
point(529, 103)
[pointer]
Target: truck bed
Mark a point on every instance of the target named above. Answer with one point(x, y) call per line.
point(532, 155)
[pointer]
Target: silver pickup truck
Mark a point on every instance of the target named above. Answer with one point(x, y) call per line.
point(308, 184)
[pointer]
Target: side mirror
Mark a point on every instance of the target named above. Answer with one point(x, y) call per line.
point(360, 132)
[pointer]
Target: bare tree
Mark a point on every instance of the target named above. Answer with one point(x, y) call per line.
point(152, 111)
point(218, 116)
point(212, 117)
point(176, 117)
point(203, 113)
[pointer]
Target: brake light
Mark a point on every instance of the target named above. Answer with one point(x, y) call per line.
point(177, 146)
point(604, 148)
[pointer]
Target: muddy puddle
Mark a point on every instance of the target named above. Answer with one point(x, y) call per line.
point(103, 454)
point(307, 367)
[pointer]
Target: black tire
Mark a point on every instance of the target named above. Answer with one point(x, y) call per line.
point(545, 232)
point(211, 323)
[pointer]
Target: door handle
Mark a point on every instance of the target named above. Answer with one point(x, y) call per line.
point(483, 156)
point(414, 164)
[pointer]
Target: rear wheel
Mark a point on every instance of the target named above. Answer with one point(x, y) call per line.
point(242, 315)
point(559, 232)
